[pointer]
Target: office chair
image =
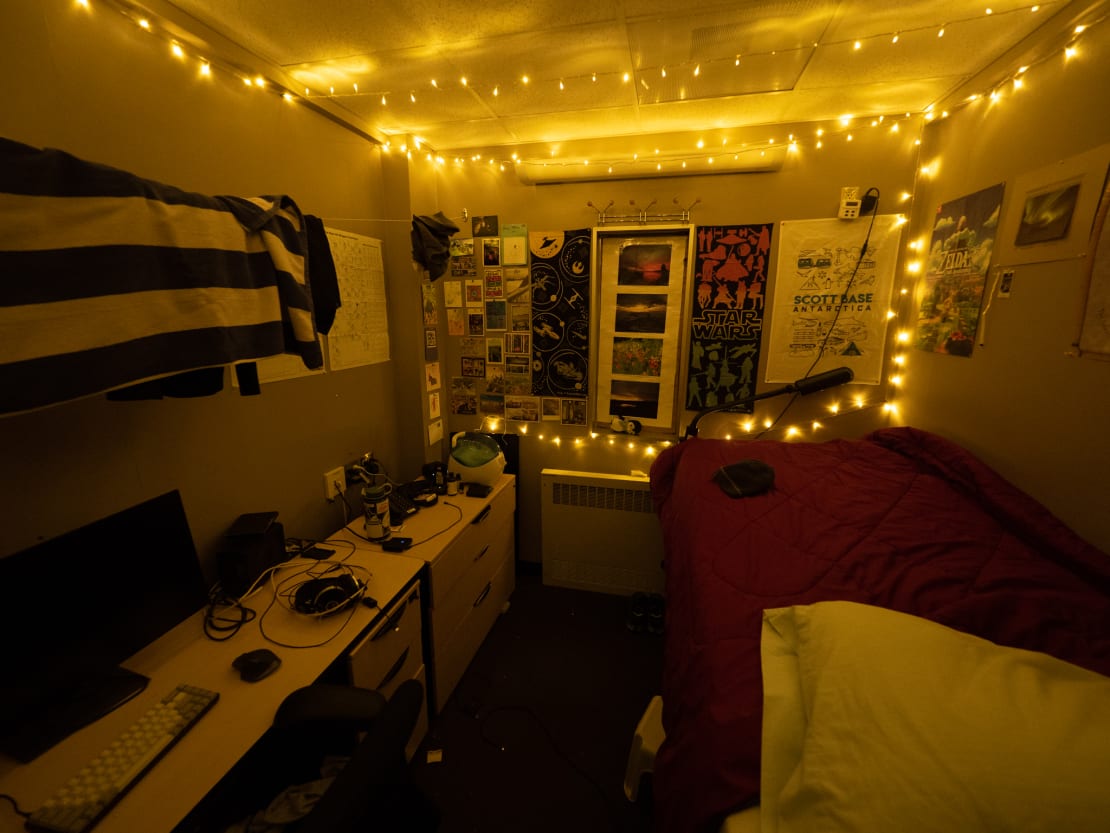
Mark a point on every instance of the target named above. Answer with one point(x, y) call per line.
point(374, 790)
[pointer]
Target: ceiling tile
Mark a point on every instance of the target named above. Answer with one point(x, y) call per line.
point(798, 61)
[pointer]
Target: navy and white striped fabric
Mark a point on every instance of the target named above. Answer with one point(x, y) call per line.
point(107, 279)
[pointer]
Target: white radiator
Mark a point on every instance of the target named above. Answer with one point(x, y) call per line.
point(600, 533)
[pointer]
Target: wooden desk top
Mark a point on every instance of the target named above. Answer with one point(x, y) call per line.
point(432, 528)
point(166, 794)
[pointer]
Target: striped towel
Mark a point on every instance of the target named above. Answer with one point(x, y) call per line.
point(107, 279)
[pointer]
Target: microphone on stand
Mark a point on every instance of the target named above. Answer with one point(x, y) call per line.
point(806, 385)
point(823, 381)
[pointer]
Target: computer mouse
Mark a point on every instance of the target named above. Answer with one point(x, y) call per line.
point(254, 665)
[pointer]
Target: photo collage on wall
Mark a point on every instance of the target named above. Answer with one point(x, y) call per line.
point(730, 283)
point(513, 363)
point(639, 324)
point(642, 289)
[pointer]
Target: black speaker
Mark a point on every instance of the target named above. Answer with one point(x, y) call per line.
point(255, 542)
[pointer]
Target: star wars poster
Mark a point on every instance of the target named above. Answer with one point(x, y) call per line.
point(831, 297)
point(726, 321)
point(951, 295)
point(560, 292)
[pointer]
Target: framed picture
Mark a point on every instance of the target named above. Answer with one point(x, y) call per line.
point(1047, 214)
point(491, 251)
point(638, 339)
point(485, 225)
point(551, 408)
point(574, 412)
point(475, 368)
point(464, 396)
point(495, 350)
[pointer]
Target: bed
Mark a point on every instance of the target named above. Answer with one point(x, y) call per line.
point(891, 578)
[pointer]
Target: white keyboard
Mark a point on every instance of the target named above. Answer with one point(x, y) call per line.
point(84, 799)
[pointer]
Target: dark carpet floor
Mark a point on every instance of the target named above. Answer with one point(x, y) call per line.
point(536, 735)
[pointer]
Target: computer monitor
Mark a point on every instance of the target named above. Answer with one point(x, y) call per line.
point(76, 607)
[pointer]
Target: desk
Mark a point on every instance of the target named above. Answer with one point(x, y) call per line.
point(468, 545)
point(184, 776)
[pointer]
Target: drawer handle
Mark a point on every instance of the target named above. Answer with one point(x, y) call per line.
point(481, 515)
point(390, 625)
point(478, 557)
point(482, 597)
point(397, 666)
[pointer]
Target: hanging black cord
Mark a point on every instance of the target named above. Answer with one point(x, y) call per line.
point(836, 316)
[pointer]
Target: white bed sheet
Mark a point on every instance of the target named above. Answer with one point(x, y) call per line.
point(877, 720)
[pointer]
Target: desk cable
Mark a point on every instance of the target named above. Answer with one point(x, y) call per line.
point(19, 811)
point(285, 590)
point(226, 614)
point(832, 324)
point(424, 540)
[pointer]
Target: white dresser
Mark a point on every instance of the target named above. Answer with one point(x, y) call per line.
point(469, 548)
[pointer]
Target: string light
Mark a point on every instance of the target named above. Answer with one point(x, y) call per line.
point(648, 449)
point(209, 67)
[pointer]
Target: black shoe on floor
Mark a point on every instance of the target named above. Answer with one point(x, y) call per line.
point(637, 619)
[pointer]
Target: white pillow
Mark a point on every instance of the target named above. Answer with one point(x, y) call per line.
point(879, 721)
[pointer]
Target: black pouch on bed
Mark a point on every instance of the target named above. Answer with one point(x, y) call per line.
point(745, 478)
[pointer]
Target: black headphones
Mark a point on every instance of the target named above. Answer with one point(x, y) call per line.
point(324, 596)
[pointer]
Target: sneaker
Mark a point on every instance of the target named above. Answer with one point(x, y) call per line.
point(655, 609)
point(637, 613)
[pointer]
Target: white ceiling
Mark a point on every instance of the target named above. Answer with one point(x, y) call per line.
point(689, 64)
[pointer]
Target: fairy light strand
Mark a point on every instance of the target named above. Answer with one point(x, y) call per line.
point(618, 164)
point(209, 66)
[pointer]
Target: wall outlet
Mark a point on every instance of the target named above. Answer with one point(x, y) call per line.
point(334, 483)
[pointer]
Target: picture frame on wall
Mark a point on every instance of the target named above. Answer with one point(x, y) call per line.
point(639, 337)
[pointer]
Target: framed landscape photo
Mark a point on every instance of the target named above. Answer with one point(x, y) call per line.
point(639, 337)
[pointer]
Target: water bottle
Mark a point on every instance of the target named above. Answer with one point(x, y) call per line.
point(375, 506)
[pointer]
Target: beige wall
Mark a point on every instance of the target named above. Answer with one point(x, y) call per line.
point(1024, 402)
point(91, 84)
point(807, 187)
point(91, 87)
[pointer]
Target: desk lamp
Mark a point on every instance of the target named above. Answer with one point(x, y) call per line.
point(810, 384)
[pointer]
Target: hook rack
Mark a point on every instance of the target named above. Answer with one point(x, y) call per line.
point(643, 216)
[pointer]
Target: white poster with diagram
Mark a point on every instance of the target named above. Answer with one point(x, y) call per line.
point(360, 333)
point(831, 297)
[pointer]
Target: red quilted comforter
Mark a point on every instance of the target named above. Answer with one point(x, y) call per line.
point(903, 519)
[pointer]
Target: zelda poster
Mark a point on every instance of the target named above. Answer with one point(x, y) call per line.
point(730, 285)
point(951, 294)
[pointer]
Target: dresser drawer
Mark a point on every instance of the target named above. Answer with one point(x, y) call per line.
point(450, 610)
point(421, 727)
point(392, 651)
point(455, 654)
point(470, 546)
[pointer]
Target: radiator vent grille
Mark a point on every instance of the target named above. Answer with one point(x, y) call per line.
point(601, 497)
point(600, 532)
